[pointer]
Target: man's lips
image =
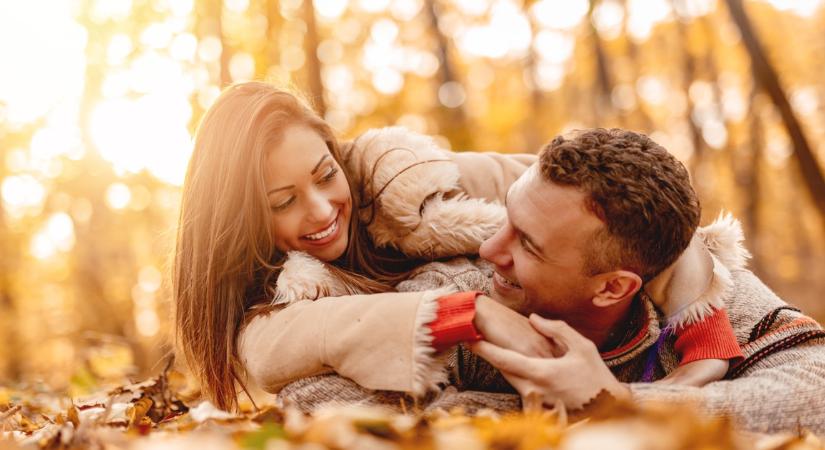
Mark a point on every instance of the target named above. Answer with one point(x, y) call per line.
point(505, 282)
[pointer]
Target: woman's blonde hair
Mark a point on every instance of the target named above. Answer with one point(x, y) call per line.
point(225, 261)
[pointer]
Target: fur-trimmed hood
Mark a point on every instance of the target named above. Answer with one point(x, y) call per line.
point(698, 282)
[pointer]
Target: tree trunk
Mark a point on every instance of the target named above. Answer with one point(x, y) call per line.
point(313, 66)
point(601, 102)
point(273, 20)
point(749, 180)
point(10, 370)
point(688, 76)
point(531, 125)
point(768, 80)
point(713, 74)
point(210, 23)
point(633, 55)
point(458, 130)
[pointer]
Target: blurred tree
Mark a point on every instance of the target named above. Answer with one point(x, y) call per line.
point(531, 124)
point(643, 120)
point(688, 75)
point(313, 65)
point(602, 104)
point(454, 123)
point(641, 65)
point(749, 175)
point(273, 26)
point(210, 26)
point(767, 79)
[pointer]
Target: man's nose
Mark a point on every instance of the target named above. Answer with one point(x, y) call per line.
point(496, 249)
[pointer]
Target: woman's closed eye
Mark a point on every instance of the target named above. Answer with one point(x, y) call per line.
point(283, 205)
point(330, 175)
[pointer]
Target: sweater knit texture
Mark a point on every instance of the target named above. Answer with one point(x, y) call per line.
point(778, 386)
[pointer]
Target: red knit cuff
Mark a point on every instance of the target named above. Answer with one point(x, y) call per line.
point(454, 320)
point(711, 338)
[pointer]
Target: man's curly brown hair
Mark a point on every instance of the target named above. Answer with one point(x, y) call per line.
point(636, 188)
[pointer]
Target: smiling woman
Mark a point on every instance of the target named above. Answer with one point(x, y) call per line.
point(265, 178)
point(309, 197)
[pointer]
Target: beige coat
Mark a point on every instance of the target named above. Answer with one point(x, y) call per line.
point(381, 341)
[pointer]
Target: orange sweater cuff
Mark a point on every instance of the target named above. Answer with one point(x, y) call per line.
point(454, 320)
point(711, 338)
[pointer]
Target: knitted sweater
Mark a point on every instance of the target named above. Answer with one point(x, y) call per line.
point(779, 386)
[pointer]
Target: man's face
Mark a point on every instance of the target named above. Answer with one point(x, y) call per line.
point(539, 254)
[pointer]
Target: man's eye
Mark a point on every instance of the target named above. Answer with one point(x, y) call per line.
point(526, 246)
point(284, 205)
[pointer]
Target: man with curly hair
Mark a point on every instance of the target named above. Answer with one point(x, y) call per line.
point(600, 215)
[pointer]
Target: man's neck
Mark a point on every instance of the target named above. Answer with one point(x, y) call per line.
point(608, 327)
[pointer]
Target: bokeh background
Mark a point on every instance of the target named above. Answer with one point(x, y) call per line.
point(99, 99)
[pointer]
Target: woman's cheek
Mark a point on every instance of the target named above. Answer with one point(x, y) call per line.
point(284, 231)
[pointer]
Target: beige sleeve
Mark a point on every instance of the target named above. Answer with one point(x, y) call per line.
point(380, 341)
point(489, 175)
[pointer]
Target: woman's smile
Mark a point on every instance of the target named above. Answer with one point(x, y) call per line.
point(326, 235)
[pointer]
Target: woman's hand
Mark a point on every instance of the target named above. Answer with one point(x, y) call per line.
point(575, 378)
point(508, 329)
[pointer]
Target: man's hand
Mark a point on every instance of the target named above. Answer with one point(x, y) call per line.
point(508, 329)
point(575, 378)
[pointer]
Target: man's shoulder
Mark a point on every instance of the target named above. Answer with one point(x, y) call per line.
point(754, 308)
point(764, 323)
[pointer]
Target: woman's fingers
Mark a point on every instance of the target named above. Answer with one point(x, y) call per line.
point(557, 330)
point(503, 359)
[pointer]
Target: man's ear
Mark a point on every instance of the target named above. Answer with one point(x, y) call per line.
point(615, 287)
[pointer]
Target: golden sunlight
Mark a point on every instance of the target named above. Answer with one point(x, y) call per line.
point(48, 58)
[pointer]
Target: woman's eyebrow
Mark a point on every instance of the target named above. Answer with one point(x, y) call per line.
point(281, 189)
point(317, 166)
point(323, 158)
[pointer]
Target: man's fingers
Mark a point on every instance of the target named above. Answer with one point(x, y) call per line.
point(558, 330)
point(504, 359)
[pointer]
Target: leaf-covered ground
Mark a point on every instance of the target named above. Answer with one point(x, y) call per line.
point(162, 413)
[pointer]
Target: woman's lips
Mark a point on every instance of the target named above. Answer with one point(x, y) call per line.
point(326, 239)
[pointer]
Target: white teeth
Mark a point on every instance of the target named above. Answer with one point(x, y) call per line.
point(507, 282)
point(323, 234)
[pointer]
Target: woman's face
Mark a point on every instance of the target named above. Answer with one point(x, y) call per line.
point(308, 195)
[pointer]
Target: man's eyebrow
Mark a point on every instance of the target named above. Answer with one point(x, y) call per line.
point(521, 234)
point(315, 169)
point(317, 166)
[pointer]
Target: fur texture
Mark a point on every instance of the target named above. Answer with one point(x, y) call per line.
point(724, 239)
point(405, 177)
point(304, 277)
point(429, 370)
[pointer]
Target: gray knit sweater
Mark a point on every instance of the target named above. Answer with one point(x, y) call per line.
point(779, 386)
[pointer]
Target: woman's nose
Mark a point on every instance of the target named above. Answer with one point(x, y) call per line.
point(320, 208)
point(496, 248)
